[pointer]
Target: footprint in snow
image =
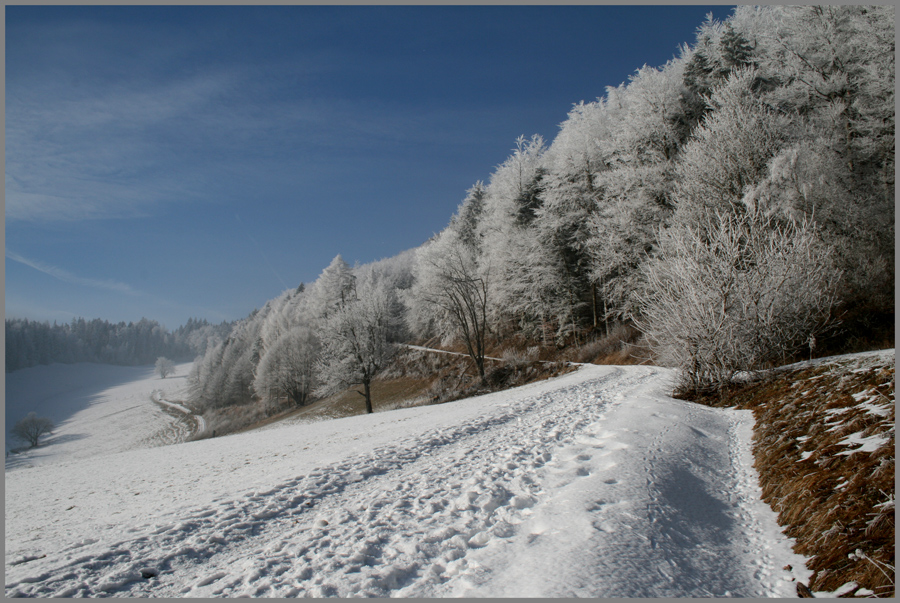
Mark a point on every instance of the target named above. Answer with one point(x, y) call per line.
point(521, 501)
point(587, 440)
point(210, 579)
point(597, 505)
point(440, 535)
point(480, 539)
point(458, 542)
point(604, 526)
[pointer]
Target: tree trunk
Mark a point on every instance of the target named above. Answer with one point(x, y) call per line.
point(605, 321)
point(368, 396)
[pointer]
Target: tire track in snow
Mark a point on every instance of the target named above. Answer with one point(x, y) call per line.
point(656, 499)
point(400, 518)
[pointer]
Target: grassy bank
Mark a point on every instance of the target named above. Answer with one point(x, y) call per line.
point(824, 449)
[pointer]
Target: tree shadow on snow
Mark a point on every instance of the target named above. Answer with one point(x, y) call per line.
point(59, 391)
point(23, 456)
point(695, 532)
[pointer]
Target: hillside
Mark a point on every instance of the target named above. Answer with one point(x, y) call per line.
point(97, 409)
point(730, 211)
point(552, 489)
point(555, 488)
point(734, 205)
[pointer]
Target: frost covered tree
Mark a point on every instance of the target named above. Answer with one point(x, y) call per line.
point(333, 289)
point(203, 382)
point(649, 116)
point(31, 427)
point(229, 372)
point(729, 152)
point(224, 375)
point(505, 228)
point(648, 128)
point(29, 342)
point(164, 367)
point(560, 286)
point(240, 360)
point(719, 49)
point(468, 215)
point(421, 316)
point(452, 286)
point(840, 168)
point(785, 113)
point(737, 292)
point(355, 344)
point(280, 317)
point(288, 367)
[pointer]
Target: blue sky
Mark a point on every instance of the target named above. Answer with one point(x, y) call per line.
point(169, 162)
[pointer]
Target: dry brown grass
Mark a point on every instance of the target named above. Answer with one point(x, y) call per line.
point(454, 377)
point(835, 499)
point(621, 345)
point(417, 377)
point(230, 419)
point(387, 394)
point(414, 378)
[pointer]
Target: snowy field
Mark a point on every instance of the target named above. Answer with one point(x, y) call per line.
point(592, 484)
point(98, 409)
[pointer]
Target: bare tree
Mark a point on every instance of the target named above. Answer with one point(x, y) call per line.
point(450, 282)
point(355, 343)
point(738, 293)
point(31, 428)
point(164, 367)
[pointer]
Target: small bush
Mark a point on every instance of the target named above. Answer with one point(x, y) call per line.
point(616, 347)
point(518, 359)
point(164, 367)
point(736, 293)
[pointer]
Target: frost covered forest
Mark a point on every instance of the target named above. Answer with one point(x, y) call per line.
point(735, 204)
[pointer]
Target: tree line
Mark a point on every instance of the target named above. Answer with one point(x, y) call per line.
point(310, 341)
point(30, 343)
point(733, 204)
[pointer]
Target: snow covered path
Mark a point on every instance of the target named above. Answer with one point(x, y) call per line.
point(591, 484)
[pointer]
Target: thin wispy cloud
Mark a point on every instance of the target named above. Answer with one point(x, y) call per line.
point(135, 133)
point(113, 155)
point(106, 139)
point(68, 277)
